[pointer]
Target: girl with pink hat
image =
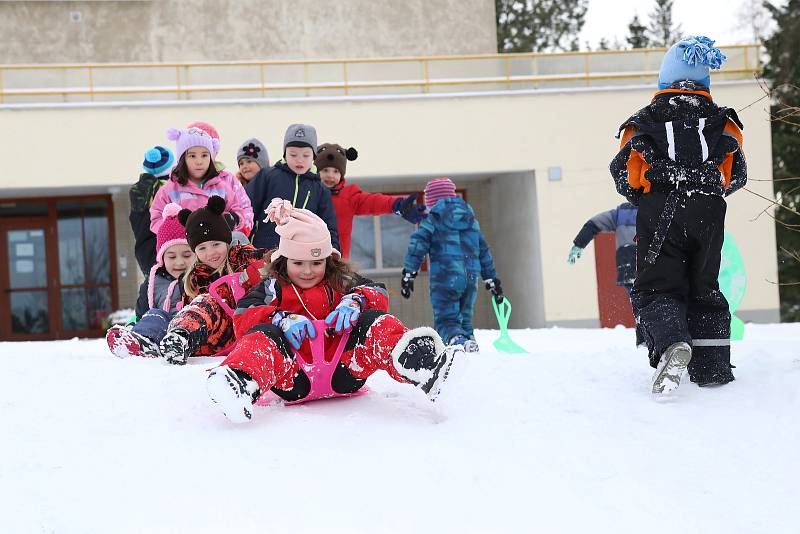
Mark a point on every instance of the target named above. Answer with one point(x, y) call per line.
point(307, 280)
point(196, 178)
point(160, 296)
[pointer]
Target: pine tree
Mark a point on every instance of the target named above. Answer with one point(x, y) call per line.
point(661, 31)
point(638, 37)
point(602, 44)
point(783, 73)
point(539, 25)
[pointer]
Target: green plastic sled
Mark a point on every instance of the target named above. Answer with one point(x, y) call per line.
point(733, 282)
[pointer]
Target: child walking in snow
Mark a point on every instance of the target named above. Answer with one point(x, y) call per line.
point(201, 327)
point(458, 255)
point(349, 200)
point(680, 157)
point(160, 296)
point(195, 179)
point(156, 168)
point(308, 280)
point(293, 179)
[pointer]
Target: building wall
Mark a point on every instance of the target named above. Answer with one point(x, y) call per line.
point(497, 138)
point(223, 30)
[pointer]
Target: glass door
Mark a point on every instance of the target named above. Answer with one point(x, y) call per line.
point(24, 281)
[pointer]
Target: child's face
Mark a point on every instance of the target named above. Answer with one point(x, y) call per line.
point(212, 253)
point(305, 274)
point(177, 259)
point(248, 168)
point(299, 158)
point(197, 161)
point(330, 176)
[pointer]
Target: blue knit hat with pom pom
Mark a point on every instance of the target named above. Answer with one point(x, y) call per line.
point(158, 161)
point(690, 59)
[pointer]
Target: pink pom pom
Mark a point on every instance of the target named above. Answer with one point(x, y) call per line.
point(173, 134)
point(171, 210)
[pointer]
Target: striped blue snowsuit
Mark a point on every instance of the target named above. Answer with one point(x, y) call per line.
point(458, 256)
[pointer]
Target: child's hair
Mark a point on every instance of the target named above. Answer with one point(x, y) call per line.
point(188, 286)
point(181, 172)
point(339, 273)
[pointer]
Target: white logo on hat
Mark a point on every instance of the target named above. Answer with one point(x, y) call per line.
point(300, 133)
point(316, 252)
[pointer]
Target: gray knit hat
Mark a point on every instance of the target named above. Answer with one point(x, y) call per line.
point(300, 135)
point(255, 150)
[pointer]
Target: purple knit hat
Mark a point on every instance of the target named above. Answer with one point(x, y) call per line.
point(437, 189)
point(171, 232)
point(186, 138)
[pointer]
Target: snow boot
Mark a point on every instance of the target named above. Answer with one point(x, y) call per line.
point(175, 347)
point(421, 358)
point(466, 343)
point(234, 391)
point(670, 368)
point(124, 342)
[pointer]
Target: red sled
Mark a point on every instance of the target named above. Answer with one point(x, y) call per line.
point(319, 371)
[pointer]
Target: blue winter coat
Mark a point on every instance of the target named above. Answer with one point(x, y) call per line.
point(622, 221)
point(452, 237)
point(304, 191)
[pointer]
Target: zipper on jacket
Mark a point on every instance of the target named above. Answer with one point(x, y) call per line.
point(296, 188)
point(308, 194)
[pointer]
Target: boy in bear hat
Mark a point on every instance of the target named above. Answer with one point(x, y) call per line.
point(452, 237)
point(156, 167)
point(294, 179)
point(349, 200)
point(679, 157)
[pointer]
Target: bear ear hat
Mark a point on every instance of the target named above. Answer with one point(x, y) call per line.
point(216, 204)
point(351, 154)
point(183, 216)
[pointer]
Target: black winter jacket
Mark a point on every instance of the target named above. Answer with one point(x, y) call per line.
point(304, 191)
point(681, 140)
point(141, 196)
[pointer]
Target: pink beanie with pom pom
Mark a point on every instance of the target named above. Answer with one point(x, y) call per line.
point(186, 138)
point(304, 236)
point(170, 233)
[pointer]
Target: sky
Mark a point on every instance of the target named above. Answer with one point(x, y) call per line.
point(721, 20)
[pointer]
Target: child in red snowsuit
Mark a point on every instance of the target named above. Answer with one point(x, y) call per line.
point(201, 327)
point(308, 280)
point(349, 200)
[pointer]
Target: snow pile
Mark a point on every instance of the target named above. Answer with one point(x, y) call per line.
point(566, 439)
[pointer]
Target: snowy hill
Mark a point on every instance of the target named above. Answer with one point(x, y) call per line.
point(566, 439)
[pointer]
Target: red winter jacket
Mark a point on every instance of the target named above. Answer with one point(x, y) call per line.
point(349, 201)
point(260, 304)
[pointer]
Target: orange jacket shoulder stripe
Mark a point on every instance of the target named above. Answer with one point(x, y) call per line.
point(637, 166)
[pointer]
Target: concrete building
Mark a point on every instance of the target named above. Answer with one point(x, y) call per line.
point(527, 138)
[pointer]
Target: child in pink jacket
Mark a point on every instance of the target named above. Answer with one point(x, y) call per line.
point(195, 179)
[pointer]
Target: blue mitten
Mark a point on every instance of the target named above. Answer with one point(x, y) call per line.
point(574, 254)
point(344, 317)
point(408, 209)
point(295, 327)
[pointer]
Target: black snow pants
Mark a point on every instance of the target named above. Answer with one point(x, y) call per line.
point(677, 297)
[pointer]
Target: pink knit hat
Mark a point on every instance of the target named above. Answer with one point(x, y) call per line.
point(304, 236)
point(171, 232)
point(437, 189)
point(186, 138)
point(209, 129)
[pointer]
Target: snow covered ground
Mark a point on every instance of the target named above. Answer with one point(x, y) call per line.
point(565, 439)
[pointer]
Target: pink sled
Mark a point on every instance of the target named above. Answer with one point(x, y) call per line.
point(319, 371)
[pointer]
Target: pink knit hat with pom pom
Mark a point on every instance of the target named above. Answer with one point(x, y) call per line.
point(171, 232)
point(207, 128)
point(304, 236)
point(186, 138)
